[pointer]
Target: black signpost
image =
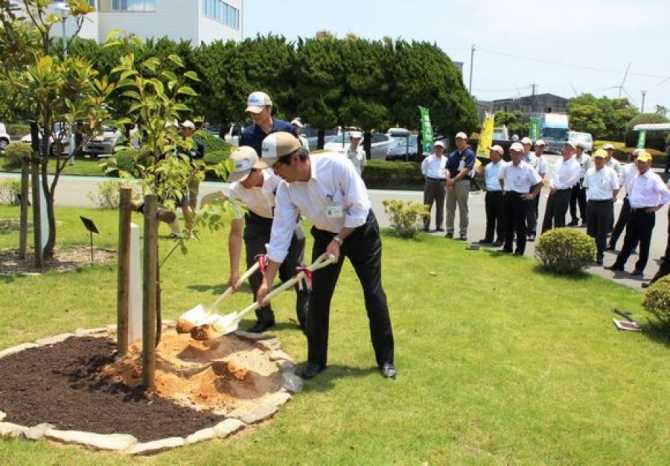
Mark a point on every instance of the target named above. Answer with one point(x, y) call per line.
point(90, 226)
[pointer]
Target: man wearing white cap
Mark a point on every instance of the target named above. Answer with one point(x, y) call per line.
point(327, 190)
point(648, 194)
point(253, 187)
point(259, 109)
point(627, 175)
point(355, 153)
point(460, 168)
point(563, 178)
point(493, 201)
point(578, 195)
point(435, 187)
point(297, 127)
point(539, 163)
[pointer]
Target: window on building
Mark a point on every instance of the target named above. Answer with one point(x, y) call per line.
point(220, 11)
point(127, 5)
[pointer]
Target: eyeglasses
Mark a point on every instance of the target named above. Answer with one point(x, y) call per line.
point(280, 162)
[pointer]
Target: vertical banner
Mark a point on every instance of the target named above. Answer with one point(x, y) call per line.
point(426, 131)
point(486, 136)
point(534, 130)
point(641, 139)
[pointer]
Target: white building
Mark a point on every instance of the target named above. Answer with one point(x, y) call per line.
point(197, 21)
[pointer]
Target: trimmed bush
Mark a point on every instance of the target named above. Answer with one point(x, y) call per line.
point(565, 250)
point(657, 299)
point(405, 217)
point(654, 139)
point(18, 129)
point(124, 160)
point(14, 152)
point(10, 189)
point(380, 174)
point(213, 143)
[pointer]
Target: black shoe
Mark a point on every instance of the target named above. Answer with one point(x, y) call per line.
point(311, 370)
point(518, 253)
point(636, 273)
point(506, 251)
point(485, 241)
point(531, 238)
point(261, 326)
point(463, 238)
point(646, 285)
point(388, 370)
point(614, 268)
point(439, 229)
point(449, 235)
point(426, 229)
point(497, 244)
point(599, 262)
point(574, 223)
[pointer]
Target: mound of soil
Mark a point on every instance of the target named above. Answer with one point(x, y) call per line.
point(78, 385)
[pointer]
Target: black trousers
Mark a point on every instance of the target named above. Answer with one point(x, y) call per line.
point(434, 191)
point(638, 229)
point(514, 219)
point(578, 198)
point(493, 203)
point(620, 223)
point(532, 214)
point(598, 219)
point(557, 207)
point(363, 248)
point(664, 269)
point(256, 235)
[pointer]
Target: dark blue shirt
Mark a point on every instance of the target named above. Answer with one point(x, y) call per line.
point(454, 162)
point(253, 135)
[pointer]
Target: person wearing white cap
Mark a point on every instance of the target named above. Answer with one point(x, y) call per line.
point(578, 195)
point(259, 110)
point(627, 175)
point(602, 186)
point(297, 127)
point(521, 184)
point(460, 168)
point(355, 153)
point(539, 162)
point(329, 193)
point(563, 178)
point(493, 200)
point(252, 195)
point(648, 194)
point(616, 166)
point(435, 186)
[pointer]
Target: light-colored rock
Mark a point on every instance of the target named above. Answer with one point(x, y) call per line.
point(17, 349)
point(3, 415)
point(285, 366)
point(250, 336)
point(92, 331)
point(271, 344)
point(201, 436)
point(228, 427)
point(9, 429)
point(112, 442)
point(279, 355)
point(53, 340)
point(279, 398)
point(258, 414)
point(292, 382)
point(156, 446)
point(111, 328)
point(37, 432)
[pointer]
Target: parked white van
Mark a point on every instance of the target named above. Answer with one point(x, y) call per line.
point(584, 138)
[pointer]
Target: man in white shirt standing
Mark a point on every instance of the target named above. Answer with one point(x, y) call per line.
point(627, 174)
point(253, 187)
point(297, 127)
point(578, 196)
point(538, 161)
point(647, 194)
point(493, 201)
point(435, 187)
point(355, 153)
point(563, 178)
point(332, 197)
point(602, 186)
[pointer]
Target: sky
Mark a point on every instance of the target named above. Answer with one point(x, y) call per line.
point(607, 48)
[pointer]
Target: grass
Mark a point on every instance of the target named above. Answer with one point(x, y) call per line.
point(499, 362)
point(82, 166)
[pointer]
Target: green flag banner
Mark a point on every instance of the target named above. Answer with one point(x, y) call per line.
point(426, 131)
point(534, 128)
point(641, 139)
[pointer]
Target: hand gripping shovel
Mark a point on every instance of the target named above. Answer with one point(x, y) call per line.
point(230, 321)
point(199, 314)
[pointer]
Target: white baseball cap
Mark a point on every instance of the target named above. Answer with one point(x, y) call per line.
point(187, 124)
point(296, 122)
point(257, 101)
point(498, 149)
point(245, 159)
point(461, 135)
point(439, 143)
point(608, 147)
point(516, 146)
point(278, 145)
point(540, 142)
point(526, 140)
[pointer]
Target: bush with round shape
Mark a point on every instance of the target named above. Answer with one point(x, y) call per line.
point(565, 250)
point(406, 217)
point(657, 299)
point(14, 152)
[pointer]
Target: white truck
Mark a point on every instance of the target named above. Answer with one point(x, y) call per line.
point(4, 137)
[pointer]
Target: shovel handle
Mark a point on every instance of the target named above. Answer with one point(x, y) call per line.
point(322, 261)
point(241, 280)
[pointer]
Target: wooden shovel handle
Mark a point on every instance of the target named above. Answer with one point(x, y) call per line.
point(241, 280)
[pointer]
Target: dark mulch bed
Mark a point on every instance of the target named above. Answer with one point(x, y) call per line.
point(58, 384)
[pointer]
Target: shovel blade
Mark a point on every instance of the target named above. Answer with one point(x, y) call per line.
point(191, 318)
point(228, 322)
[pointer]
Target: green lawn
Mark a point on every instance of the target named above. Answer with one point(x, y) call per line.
point(82, 166)
point(499, 362)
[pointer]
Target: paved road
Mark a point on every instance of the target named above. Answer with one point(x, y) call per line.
point(72, 191)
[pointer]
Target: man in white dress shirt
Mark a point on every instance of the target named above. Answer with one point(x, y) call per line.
point(647, 194)
point(493, 201)
point(538, 161)
point(563, 178)
point(329, 193)
point(435, 187)
point(253, 188)
point(578, 196)
point(355, 152)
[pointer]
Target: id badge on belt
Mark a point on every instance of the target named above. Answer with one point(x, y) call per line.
point(333, 209)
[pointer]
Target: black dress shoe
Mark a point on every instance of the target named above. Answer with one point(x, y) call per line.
point(636, 273)
point(439, 229)
point(646, 285)
point(497, 244)
point(388, 370)
point(449, 235)
point(261, 326)
point(574, 223)
point(518, 253)
point(485, 241)
point(311, 370)
point(614, 268)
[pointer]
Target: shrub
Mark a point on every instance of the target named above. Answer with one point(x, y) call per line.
point(654, 139)
point(124, 160)
point(16, 151)
point(10, 189)
point(406, 217)
point(213, 143)
point(657, 299)
point(384, 174)
point(18, 129)
point(108, 196)
point(565, 250)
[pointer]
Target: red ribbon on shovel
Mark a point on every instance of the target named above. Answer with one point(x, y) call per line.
point(307, 280)
point(262, 260)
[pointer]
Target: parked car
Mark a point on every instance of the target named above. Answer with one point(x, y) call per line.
point(379, 147)
point(585, 138)
point(104, 142)
point(4, 137)
point(63, 140)
point(404, 149)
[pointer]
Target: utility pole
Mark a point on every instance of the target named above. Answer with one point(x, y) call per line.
point(644, 93)
point(472, 57)
point(533, 86)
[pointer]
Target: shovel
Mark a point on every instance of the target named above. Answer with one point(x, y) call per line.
point(230, 321)
point(201, 314)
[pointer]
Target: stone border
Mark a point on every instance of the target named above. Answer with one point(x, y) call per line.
point(128, 444)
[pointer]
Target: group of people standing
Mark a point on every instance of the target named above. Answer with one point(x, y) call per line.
point(586, 186)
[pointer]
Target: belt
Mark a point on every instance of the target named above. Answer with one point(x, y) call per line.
point(600, 200)
point(641, 209)
point(564, 189)
point(436, 179)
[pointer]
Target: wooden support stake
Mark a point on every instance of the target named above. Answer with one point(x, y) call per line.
point(149, 293)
